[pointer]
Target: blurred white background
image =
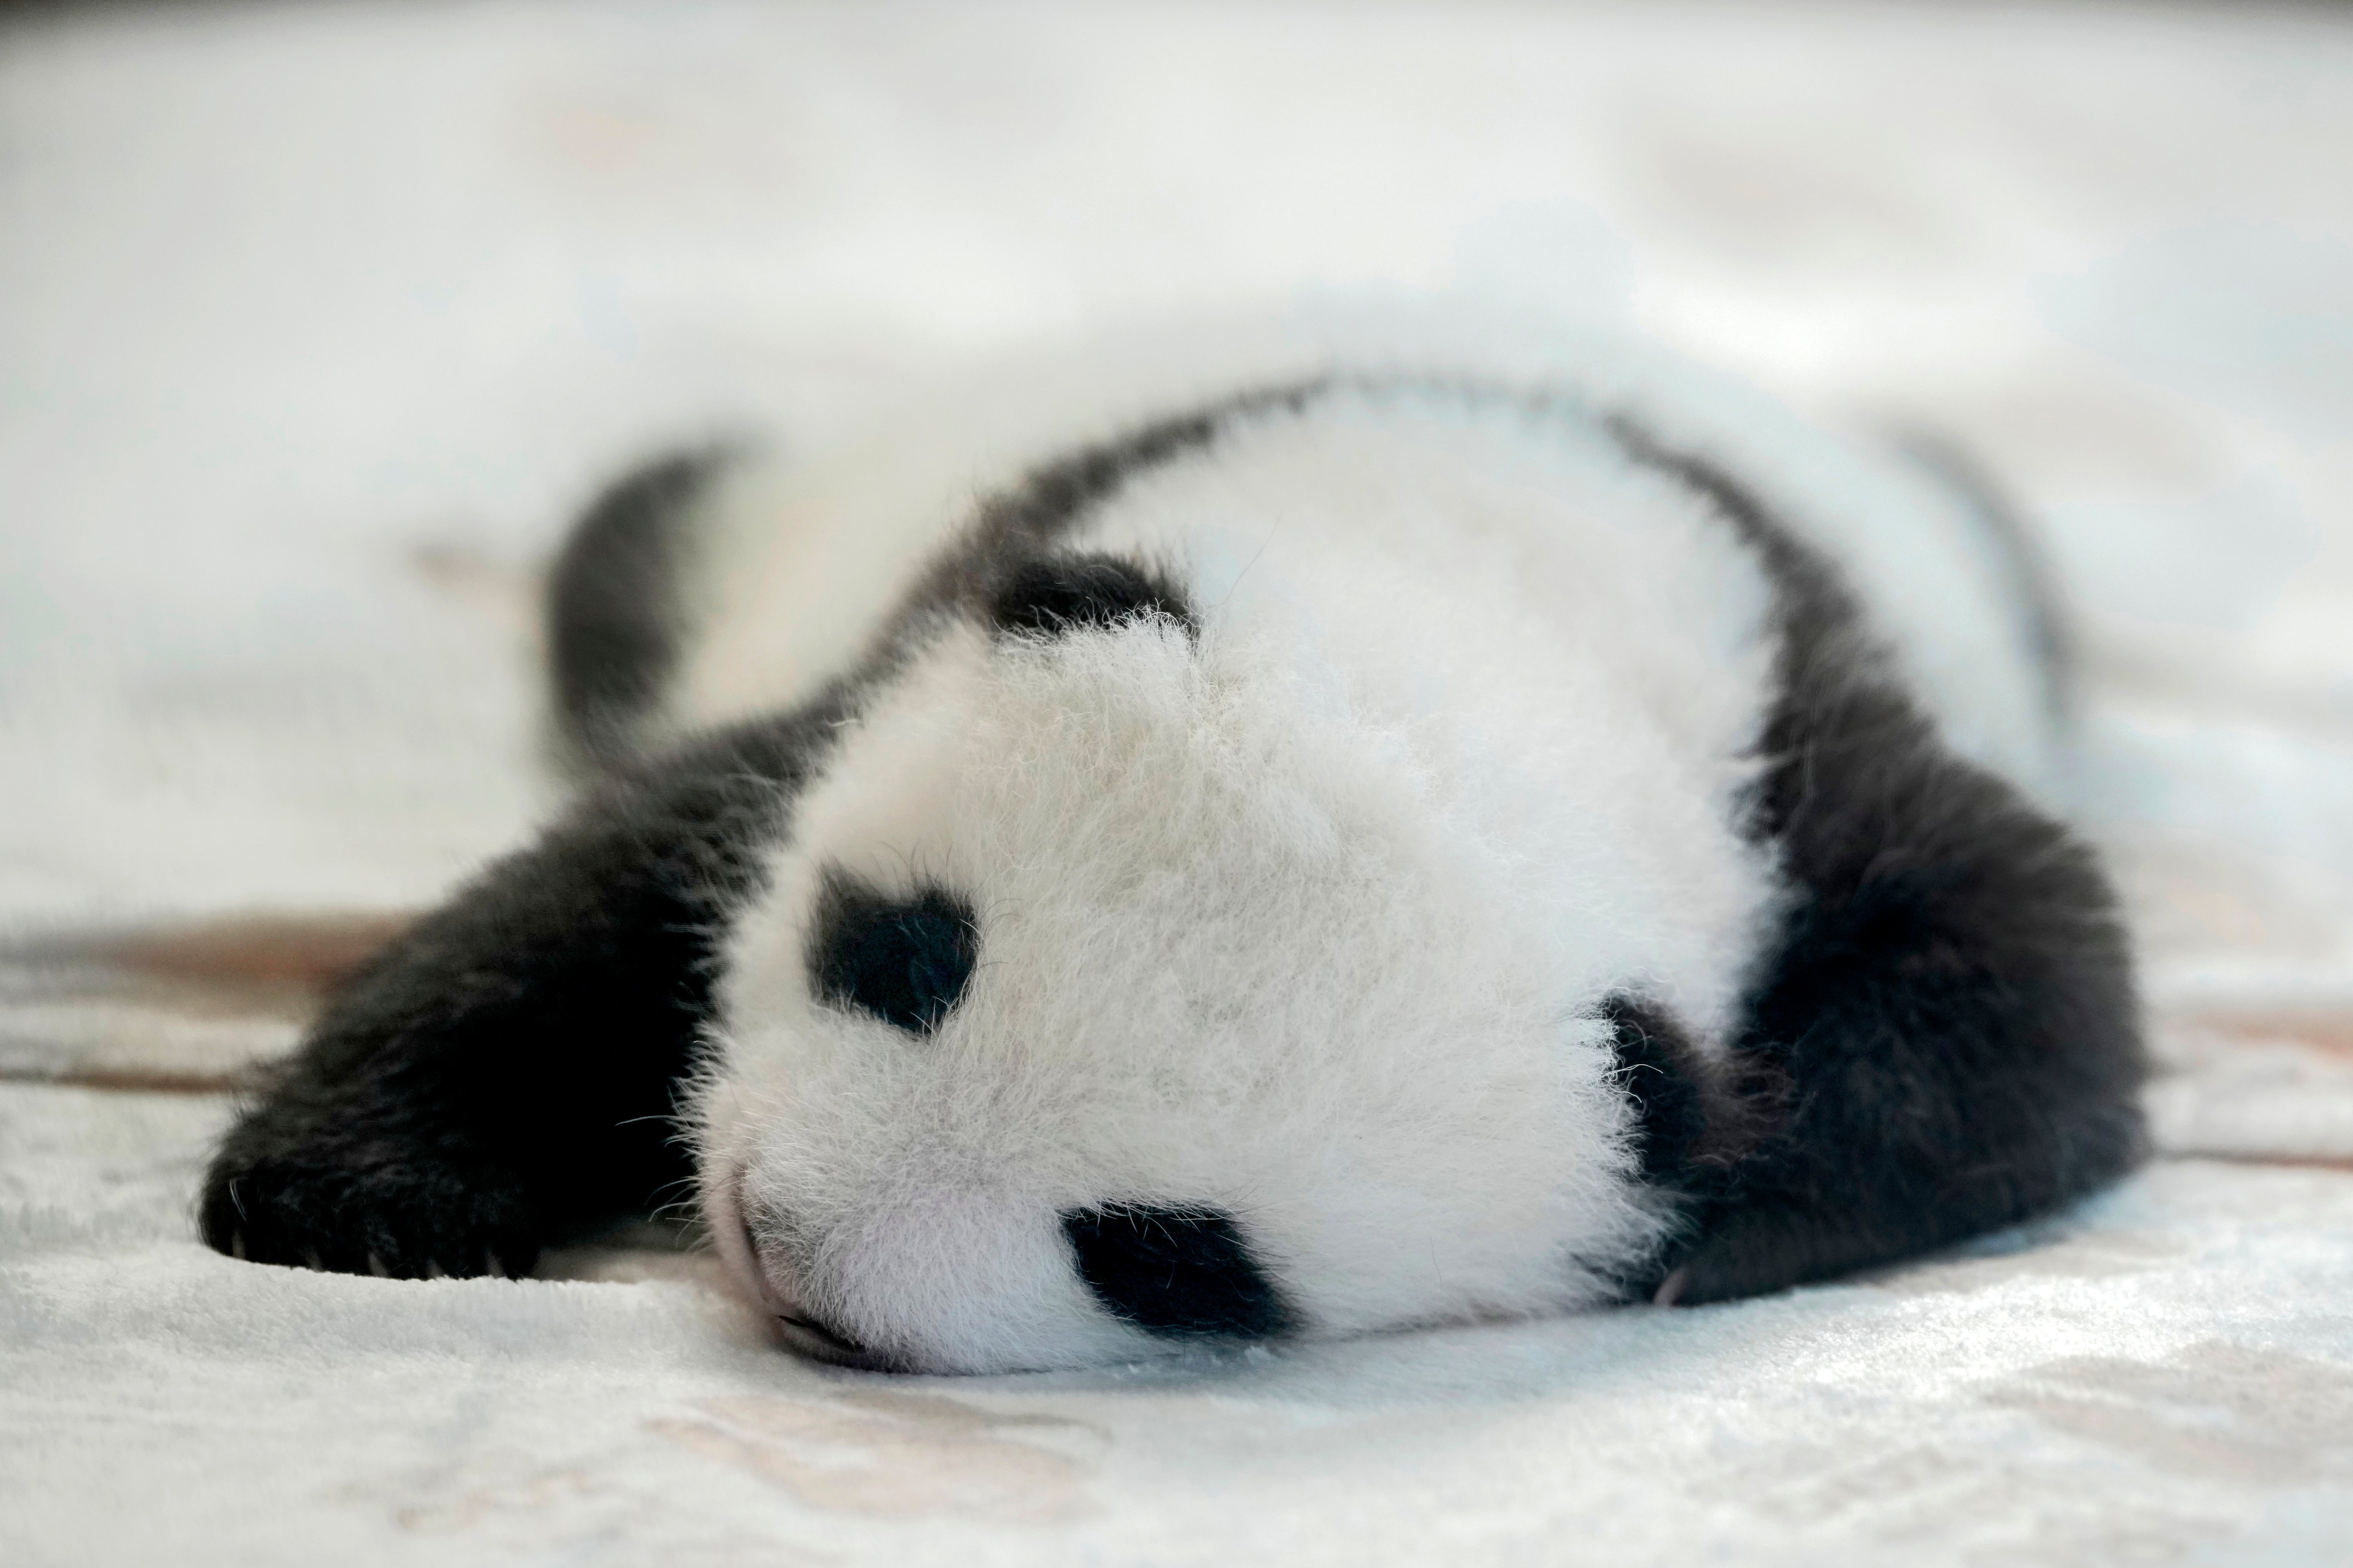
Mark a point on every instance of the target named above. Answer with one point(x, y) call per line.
point(317, 321)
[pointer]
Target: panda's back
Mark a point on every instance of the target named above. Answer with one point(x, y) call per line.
point(1544, 588)
point(785, 567)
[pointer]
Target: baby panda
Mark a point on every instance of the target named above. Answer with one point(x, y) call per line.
point(1226, 843)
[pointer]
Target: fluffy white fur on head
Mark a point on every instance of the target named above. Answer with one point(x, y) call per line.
point(1229, 955)
point(1308, 920)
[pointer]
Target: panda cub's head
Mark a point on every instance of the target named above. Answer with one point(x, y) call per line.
point(1119, 983)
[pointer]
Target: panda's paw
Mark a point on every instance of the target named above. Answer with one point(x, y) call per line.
point(370, 1209)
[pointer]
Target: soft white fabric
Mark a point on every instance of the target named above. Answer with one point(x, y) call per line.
point(315, 323)
point(2167, 1373)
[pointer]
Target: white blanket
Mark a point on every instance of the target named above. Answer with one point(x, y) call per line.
point(316, 322)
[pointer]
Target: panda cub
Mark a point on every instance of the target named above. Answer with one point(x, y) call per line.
point(1309, 841)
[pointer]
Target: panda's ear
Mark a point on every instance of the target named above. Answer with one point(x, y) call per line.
point(1053, 595)
point(1694, 1119)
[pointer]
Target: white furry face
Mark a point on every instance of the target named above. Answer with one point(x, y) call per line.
point(1302, 926)
point(1231, 957)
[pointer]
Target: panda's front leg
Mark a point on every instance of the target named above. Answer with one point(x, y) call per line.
point(503, 1075)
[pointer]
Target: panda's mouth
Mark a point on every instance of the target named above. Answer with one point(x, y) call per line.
point(731, 1234)
point(813, 1339)
point(801, 1332)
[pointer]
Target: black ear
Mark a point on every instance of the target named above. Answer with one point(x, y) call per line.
point(1660, 1077)
point(1694, 1120)
point(1051, 594)
point(1183, 1272)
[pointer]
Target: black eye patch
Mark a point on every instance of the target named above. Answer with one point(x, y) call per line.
point(1180, 1273)
point(1057, 593)
point(906, 961)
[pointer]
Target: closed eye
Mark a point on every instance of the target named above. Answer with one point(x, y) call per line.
point(906, 961)
point(1180, 1273)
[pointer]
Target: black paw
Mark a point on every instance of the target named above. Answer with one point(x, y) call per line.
point(379, 1211)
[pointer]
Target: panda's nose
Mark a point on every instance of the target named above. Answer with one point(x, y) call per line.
point(776, 1284)
point(756, 1269)
point(802, 1329)
point(772, 1282)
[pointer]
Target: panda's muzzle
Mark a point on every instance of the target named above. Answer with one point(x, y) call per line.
point(813, 1339)
point(755, 1269)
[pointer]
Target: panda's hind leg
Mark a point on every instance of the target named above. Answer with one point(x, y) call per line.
point(2030, 579)
point(621, 609)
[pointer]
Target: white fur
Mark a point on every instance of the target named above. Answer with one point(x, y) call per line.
point(1309, 922)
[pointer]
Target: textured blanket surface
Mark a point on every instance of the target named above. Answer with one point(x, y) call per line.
point(2164, 1376)
point(317, 322)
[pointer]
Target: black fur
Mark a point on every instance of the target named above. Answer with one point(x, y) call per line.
point(906, 961)
point(1660, 1071)
point(2027, 573)
point(1180, 1273)
point(500, 1076)
point(1005, 572)
point(1057, 497)
point(1948, 1008)
point(1692, 1118)
point(616, 617)
point(1051, 594)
